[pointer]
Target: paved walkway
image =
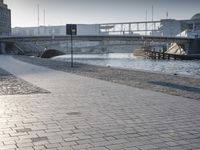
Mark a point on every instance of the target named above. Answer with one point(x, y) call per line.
point(85, 113)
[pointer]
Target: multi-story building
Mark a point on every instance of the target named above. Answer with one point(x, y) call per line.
point(5, 19)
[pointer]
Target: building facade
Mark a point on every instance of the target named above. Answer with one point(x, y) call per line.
point(5, 19)
point(180, 28)
point(82, 29)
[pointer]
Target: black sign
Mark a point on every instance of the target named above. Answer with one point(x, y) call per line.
point(71, 29)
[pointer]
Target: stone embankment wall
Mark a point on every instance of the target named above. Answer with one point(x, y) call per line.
point(36, 48)
point(80, 47)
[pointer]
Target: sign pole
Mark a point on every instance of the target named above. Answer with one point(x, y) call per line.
point(72, 51)
point(71, 29)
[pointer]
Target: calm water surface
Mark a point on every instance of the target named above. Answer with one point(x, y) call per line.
point(128, 61)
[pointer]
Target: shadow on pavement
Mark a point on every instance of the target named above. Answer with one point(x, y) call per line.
point(176, 86)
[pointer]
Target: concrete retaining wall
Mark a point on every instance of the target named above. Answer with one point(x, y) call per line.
point(80, 47)
point(194, 47)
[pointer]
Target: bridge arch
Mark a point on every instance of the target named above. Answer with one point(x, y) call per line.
point(49, 53)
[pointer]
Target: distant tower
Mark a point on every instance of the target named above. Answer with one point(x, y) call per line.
point(167, 15)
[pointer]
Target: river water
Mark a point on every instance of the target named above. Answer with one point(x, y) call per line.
point(128, 61)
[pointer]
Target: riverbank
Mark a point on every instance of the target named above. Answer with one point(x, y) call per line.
point(171, 84)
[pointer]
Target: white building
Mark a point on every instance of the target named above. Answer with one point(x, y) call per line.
point(82, 29)
point(181, 28)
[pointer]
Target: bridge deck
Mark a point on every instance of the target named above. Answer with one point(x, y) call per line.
point(95, 38)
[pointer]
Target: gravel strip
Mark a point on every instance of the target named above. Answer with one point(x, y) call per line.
point(11, 85)
point(171, 84)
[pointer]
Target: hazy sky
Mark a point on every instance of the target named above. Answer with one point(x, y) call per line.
point(60, 12)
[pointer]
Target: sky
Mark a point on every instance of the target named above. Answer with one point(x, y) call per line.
point(61, 12)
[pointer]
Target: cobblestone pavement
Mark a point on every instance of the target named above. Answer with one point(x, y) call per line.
point(177, 85)
point(83, 113)
point(10, 85)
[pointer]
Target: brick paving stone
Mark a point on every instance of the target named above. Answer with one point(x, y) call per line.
point(71, 139)
point(20, 145)
point(41, 147)
point(56, 145)
point(23, 130)
point(147, 147)
point(6, 147)
point(132, 148)
point(82, 146)
point(25, 148)
point(98, 148)
point(84, 141)
point(38, 139)
point(115, 147)
point(133, 144)
point(101, 144)
point(65, 148)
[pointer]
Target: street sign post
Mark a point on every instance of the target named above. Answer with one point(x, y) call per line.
point(71, 29)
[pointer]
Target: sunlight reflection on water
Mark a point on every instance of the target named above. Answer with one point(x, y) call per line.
point(128, 61)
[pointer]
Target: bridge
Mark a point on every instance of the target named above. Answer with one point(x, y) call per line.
point(96, 38)
point(94, 44)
